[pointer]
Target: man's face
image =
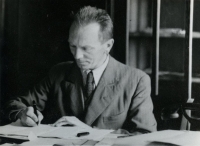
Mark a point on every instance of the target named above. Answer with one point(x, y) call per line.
point(86, 46)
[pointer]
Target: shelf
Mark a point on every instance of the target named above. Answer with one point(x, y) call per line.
point(164, 32)
point(174, 76)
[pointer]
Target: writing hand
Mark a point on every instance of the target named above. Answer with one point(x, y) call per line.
point(28, 118)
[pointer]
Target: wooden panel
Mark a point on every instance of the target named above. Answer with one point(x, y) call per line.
point(9, 49)
point(2, 13)
point(120, 30)
point(155, 51)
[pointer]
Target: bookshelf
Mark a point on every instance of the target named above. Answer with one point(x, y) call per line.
point(164, 41)
point(171, 38)
point(164, 33)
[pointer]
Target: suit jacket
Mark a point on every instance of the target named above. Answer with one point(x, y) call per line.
point(121, 99)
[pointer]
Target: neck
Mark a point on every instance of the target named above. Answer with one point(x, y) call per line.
point(102, 62)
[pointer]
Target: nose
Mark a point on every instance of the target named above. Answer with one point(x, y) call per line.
point(78, 54)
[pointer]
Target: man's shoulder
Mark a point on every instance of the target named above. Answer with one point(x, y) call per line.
point(131, 76)
point(132, 71)
point(60, 69)
point(63, 64)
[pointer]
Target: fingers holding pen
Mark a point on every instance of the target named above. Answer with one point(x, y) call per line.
point(36, 117)
point(29, 118)
point(40, 116)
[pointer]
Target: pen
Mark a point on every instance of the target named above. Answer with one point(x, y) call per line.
point(35, 110)
point(68, 125)
point(124, 136)
point(82, 134)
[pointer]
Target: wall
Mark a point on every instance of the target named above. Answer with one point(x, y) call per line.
point(35, 39)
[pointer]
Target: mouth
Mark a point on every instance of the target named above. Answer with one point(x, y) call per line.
point(82, 63)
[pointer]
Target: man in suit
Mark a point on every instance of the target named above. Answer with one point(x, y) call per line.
point(96, 88)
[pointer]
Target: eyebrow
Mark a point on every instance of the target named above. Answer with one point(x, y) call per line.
point(88, 46)
point(81, 46)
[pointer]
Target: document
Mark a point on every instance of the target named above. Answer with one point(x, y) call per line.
point(184, 138)
point(166, 137)
point(71, 133)
point(15, 130)
point(54, 142)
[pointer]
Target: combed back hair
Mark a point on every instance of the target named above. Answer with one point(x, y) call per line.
point(88, 14)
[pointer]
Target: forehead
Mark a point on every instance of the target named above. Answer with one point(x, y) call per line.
point(89, 32)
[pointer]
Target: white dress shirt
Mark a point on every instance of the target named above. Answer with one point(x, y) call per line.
point(97, 73)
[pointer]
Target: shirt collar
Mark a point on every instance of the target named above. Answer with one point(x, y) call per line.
point(97, 73)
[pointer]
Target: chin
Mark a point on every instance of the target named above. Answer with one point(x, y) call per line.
point(84, 67)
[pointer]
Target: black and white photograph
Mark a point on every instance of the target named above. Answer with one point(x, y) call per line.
point(100, 72)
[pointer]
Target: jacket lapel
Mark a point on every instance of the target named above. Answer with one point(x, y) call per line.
point(103, 94)
point(73, 89)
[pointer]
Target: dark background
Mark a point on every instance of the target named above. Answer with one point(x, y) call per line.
point(35, 39)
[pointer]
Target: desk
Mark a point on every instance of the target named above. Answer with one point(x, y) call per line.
point(160, 138)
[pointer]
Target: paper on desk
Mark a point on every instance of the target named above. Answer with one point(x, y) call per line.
point(8, 144)
point(71, 133)
point(63, 132)
point(47, 131)
point(144, 139)
point(95, 134)
point(54, 141)
point(38, 130)
point(10, 128)
point(184, 138)
point(32, 136)
point(17, 131)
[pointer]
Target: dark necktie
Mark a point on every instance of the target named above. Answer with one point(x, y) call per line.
point(89, 88)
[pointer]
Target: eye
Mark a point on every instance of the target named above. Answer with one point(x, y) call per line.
point(72, 46)
point(87, 49)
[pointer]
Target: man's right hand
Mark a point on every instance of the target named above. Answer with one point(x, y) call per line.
point(28, 118)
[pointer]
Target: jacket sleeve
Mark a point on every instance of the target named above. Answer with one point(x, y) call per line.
point(140, 116)
point(38, 94)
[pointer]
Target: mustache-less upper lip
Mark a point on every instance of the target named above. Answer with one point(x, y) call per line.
point(81, 62)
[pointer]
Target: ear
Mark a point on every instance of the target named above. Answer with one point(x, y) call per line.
point(108, 45)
